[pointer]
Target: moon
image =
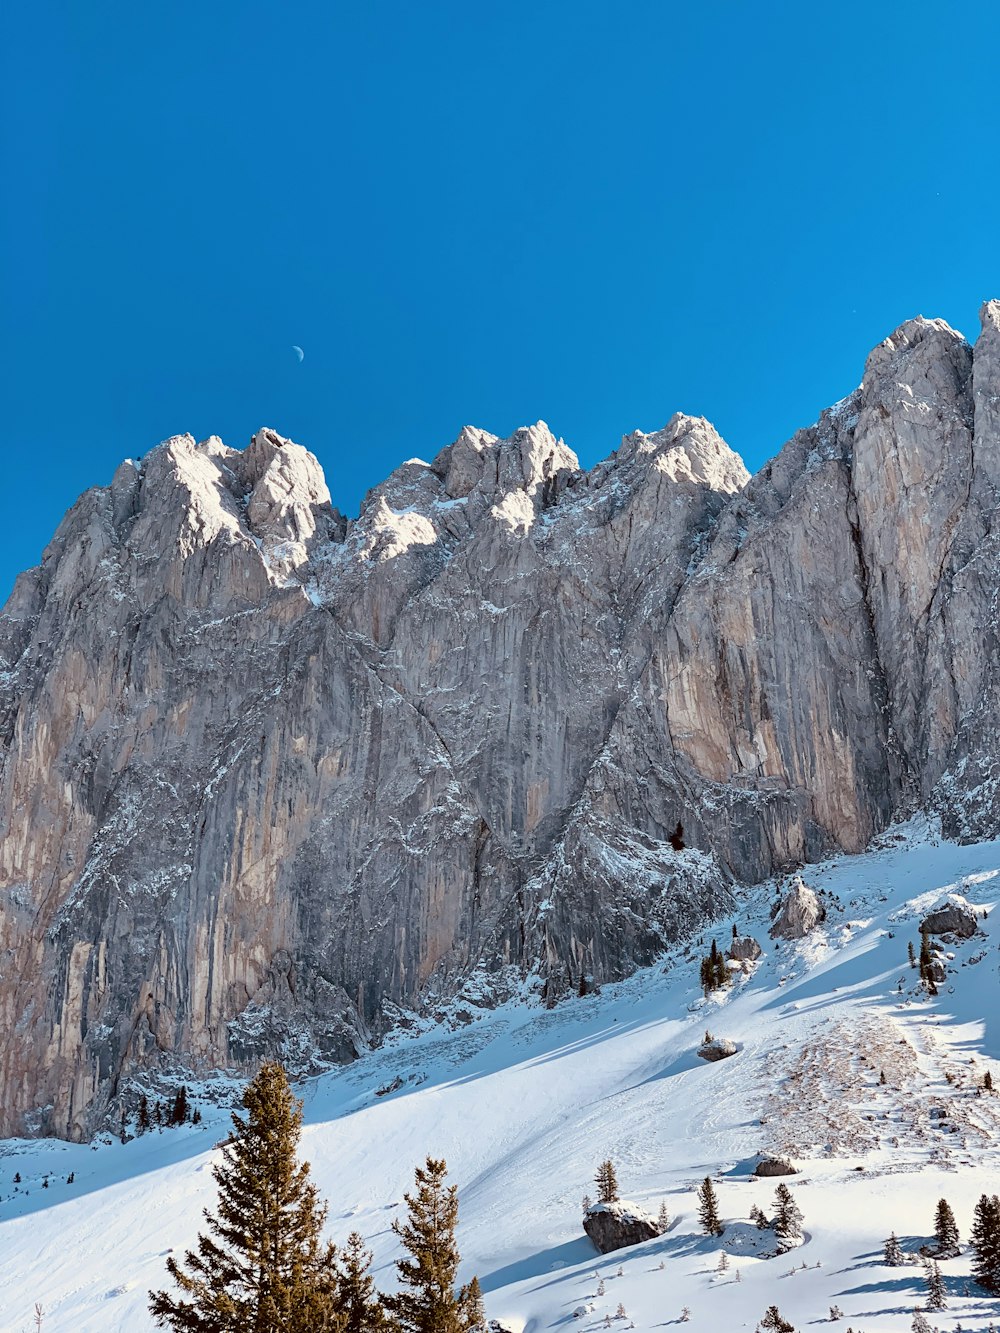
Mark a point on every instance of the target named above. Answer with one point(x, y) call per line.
point(298, 352)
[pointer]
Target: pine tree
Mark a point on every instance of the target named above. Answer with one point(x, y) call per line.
point(708, 1209)
point(607, 1182)
point(262, 1264)
point(663, 1221)
point(893, 1252)
point(179, 1110)
point(714, 973)
point(945, 1231)
point(936, 1297)
point(910, 953)
point(757, 1217)
point(988, 1081)
point(427, 1301)
point(358, 1303)
point(985, 1239)
point(142, 1124)
point(920, 1323)
point(773, 1321)
point(787, 1215)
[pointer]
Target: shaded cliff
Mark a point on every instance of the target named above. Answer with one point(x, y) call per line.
point(267, 774)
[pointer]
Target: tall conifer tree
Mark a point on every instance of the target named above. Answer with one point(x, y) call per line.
point(262, 1267)
point(428, 1301)
point(985, 1238)
point(708, 1209)
point(607, 1182)
point(358, 1303)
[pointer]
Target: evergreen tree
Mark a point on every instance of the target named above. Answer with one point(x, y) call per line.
point(179, 1110)
point(143, 1117)
point(262, 1265)
point(910, 953)
point(920, 1323)
point(714, 973)
point(773, 1320)
point(663, 1221)
point(607, 1182)
point(708, 1209)
point(427, 1301)
point(787, 1214)
point(358, 1303)
point(757, 1218)
point(988, 1081)
point(945, 1230)
point(985, 1239)
point(893, 1252)
point(936, 1297)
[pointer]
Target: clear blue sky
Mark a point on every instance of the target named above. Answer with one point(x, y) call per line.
point(593, 213)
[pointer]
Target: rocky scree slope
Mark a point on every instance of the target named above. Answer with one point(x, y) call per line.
point(268, 776)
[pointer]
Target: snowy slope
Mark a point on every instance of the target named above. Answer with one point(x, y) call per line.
point(524, 1103)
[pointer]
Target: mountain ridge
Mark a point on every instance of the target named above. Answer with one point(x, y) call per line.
point(267, 774)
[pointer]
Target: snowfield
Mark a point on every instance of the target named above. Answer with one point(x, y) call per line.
point(524, 1103)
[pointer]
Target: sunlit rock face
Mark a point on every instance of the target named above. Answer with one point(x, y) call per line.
point(269, 777)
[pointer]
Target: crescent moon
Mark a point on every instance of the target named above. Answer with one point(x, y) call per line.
point(298, 352)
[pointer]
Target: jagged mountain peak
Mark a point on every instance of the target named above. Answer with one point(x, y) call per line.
point(267, 775)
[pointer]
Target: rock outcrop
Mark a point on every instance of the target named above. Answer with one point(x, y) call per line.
point(798, 913)
point(956, 916)
point(717, 1048)
point(770, 1165)
point(744, 949)
point(613, 1226)
point(270, 777)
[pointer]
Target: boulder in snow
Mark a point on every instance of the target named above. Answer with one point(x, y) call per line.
point(744, 950)
point(613, 1226)
point(799, 912)
point(955, 916)
point(717, 1048)
point(770, 1164)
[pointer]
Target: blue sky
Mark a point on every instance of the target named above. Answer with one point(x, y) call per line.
point(592, 213)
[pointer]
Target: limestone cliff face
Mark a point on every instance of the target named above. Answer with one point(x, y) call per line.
point(268, 775)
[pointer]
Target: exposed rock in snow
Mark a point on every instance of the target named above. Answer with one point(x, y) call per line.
point(771, 1165)
point(956, 916)
point(800, 912)
point(717, 1048)
point(744, 949)
point(613, 1226)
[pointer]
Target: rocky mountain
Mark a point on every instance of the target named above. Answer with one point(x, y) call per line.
point(271, 779)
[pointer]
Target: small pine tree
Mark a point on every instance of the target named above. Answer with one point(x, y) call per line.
point(428, 1301)
point(620, 1312)
point(685, 1314)
point(920, 1324)
point(179, 1110)
point(723, 1264)
point(911, 954)
point(985, 1240)
point(358, 1303)
point(600, 1287)
point(835, 1313)
point(663, 1220)
point(585, 1204)
point(987, 1082)
point(607, 1182)
point(142, 1120)
point(263, 1264)
point(196, 1117)
point(70, 1178)
point(714, 973)
point(773, 1320)
point(758, 1218)
point(708, 1209)
point(787, 1214)
point(17, 1177)
point(936, 1296)
point(893, 1252)
point(945, 1230)
point(881, 1077)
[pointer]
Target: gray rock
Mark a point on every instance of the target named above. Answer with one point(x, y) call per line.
point(718, 1048)
point(769, 1164)
point(956, 916)
point(270, 779)
point(613, 1226)
point(799, 913)
point(744, 949)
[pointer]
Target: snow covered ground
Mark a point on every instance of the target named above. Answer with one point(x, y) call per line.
point(524, 1103)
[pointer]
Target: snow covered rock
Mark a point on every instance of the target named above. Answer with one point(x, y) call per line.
point(744, 949)
point(955, 916)
point(717, 1048)
point(799, 912)
point(613, 1226)
point(769, 1164)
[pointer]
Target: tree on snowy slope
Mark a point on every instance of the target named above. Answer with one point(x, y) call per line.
point(893, 1252)
point(428, 1301)
point(945, 1230)
point(708, 1209)
point(606, 1181)
point(263, 1265)
point(985, 1238)
point(714, 973)
point(936, 1296)
point(787, 1216)
point(359, 1304)
point(774, 1321)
